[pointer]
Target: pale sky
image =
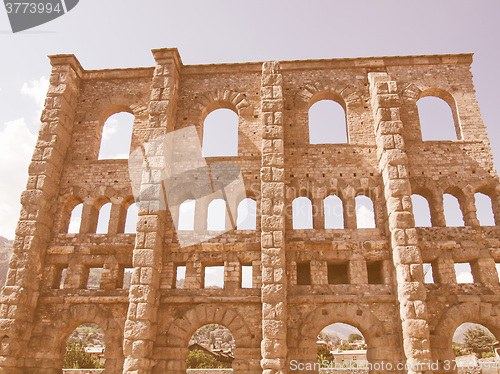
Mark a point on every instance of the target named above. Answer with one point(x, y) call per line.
point(112, 33)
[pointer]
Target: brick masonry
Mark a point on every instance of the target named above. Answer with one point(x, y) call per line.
point(148, 326)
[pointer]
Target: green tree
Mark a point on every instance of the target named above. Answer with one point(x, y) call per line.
point(457, 348)
point(323, 354)
point(354, 337)
point(76, 357)
point(344, 346)
point(478, 340)
point(197, 359)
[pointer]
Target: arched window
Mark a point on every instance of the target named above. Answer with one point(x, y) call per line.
point(421, 211)
point(116, 136)
point(484, 209)
point(341, 337)
point(131, 219)
point(327, 123)
point(334, 212)
point(452, 212)
point(365, 216)
point(247, 215)
point(216, 217)
point(103, 220)
point(75, 220)
point(85, 348)
point(302, 213)
point(220, 134)
point(472, 338)
point(436, 119)
point(216, 338)
point(186, 215)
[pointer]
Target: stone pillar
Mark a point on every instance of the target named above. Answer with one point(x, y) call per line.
point(273, 346)
point(110, 276)
point(349, 212)
point(117, 217)
point(90, 215)
point(393, 165)
point(141, 325)
point(37, 214)
point(77, 276)
point(484, 270)
point(358, 273)
point(232, 273)
point(443, 269)
point(318, 213)
point(437, 209)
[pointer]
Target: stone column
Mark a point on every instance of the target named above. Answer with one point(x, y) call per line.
point(318, 213)
point(393, 165)
point(20, 295)
point(273, 346)
point(117, 217)
point(358, 274)
point(141, 325)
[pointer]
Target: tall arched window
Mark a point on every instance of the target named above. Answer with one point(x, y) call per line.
point(327, 123)
point(85, 348)
point(247, 215)
point(472, 338)
point(75, 220)
point(334, 212)
point(216, 217)
point(302, 213)
point(116, 136)
point(103, 220)
point(484, 209)
point(220, 134)
point(436, 119)
point(365, 216)
point(452, 212)
point(186, 215)
point(421, 211)
point(131, 219)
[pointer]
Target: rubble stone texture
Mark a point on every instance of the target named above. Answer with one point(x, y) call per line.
point(295, 289)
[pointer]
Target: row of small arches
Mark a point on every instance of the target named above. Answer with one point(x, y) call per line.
point(333, 213)
point(453, 211)
point(103, 224)
point(327, 120)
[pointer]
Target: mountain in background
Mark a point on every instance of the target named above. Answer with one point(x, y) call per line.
point(341, 330)
point(5, 253)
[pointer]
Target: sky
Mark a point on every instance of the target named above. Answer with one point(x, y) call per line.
point(112, 33)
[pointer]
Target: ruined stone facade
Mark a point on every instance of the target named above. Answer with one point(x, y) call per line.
point(147, 327)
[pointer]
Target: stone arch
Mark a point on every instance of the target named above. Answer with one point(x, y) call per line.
point(77, 315)
point(373, 330)
point(71, 201)
point(119, 106)
point(218, 99)
point(413, 92)
point(114, 109)
point(340, 91)
point(491, 190)
point(181, 330)
point(481, 313)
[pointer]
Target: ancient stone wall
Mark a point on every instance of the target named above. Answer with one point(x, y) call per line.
point(295, 290)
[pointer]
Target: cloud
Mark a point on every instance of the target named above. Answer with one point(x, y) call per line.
point(37, 90)
point(16, 145)
point(364, 217)
point(110, 128)
point(465, 277)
